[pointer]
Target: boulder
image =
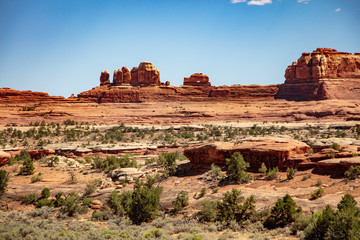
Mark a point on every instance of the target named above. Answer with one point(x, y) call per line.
point(323, 74)
point(273, 152)
point(104, 78)
point(4, 157)
point(197, 79)
point(337, 164)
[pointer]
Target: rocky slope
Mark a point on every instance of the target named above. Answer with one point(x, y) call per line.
point(323, 74)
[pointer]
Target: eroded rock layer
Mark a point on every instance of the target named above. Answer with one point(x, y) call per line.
point(8, 95)
point(127, 94)
point(272, 152)
point(322, 74)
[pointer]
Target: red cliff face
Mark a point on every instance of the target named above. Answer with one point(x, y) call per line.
point(323, 74)
point(8, 95)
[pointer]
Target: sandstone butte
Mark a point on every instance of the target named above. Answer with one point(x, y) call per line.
point(8, 95)
point(323, 74)
point(142, 84)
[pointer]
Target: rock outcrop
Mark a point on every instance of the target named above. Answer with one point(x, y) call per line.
point(104, 78)
point(147, 75)
point(8, 95)
point(197, 79)
point(322, 74)
point(4, 157)
point(272, 152)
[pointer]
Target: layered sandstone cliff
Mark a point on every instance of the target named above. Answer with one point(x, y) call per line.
point(8, 95)
point(322, 74)
point(197, 79)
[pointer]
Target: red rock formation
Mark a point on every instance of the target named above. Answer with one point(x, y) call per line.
point(323, 74)
point(8, 95)
point(134, 76)
point(197, 79)
point(104, 78)
point(4, 157)
point(182, 93)
point(118, 77)
point(147, 75)
point(126, 75)
point(272, 152)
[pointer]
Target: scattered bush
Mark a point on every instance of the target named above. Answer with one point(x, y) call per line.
point(263, 169)
point(168, 160)
point(290, 173)
point(28, 166)
point(52, 161)
point(236, 169)
point(272, 173)
point(216, 172)
point(91, 187)
point(352, 173)
point(37, 178)
point(283, 213)
point(317, 194)
point(72, 205)
point(29, 198)
point(181, 201)
point(318, 183)
point(306, 177)
point(344, 223)
point(4, 179)
point(208, 211)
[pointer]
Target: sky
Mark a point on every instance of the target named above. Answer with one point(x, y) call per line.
point(61, 46)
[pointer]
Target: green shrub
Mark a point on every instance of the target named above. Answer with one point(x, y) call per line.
point(229, 208)
point(306, 177)
point(113, 162)
point(120, 203)
point(91, 187)
point(145, 202)
point(45, 193)
point(318, 183)
point(29, 198)
point(283, 213)
point(181, 201)
point(352, 173)
point(272, 173)
point(208, 211)
point(44, 202)
point(37, 178)
point(28, 167)
point(317, 194)
point(59, 200)
point(263, 169)
point(216, 172)
point(290, 173)
point(341, 224)
point(72, 205)
point(4, 179)
point(236, 169)
point(168, 160)
point(52, 161)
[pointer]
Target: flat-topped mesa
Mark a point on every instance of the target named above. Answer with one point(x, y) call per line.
point(323, 74)
point(197, 79)
point(104, 78)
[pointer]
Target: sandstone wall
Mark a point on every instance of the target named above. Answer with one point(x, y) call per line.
point(323, 74)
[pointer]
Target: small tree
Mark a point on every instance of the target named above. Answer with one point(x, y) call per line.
point(272, 173)
point(352, 173)
point(263, 169)
point(168, 160)
point(319, 224)
point(28, 167)
point(283, 213)
point(290, 173)
point(208, 211)
point(181, 201)
point(4, 179)
point(317, 194)
point(236, 169)
point(145, 202)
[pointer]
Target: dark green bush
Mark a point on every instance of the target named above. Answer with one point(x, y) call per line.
point(28, 165)
point(236, 169)
point(317, 194)
point(44, 202)
point(229, 208)
point(272, 173)
point(341, 224)
point(29, 198)
point(168, 160)
point(120, 203)
point(45, 193)
point(72, 205)
point(352, 173)
point(290, 173)
point(4, 179)
point(181, 201)
point(208, 211)
point(145, 202)
point(283, 213)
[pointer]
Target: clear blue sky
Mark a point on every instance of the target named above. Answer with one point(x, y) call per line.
point(61, 46)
